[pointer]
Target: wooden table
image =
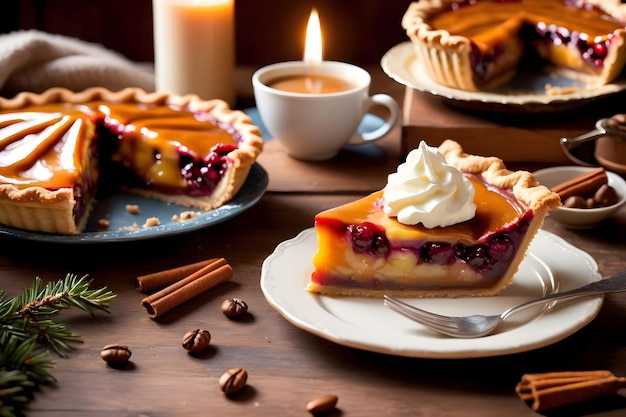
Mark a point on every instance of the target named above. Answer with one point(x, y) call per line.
point(287, 366)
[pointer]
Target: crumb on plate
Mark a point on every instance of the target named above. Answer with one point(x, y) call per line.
point(151, 222)
point(553, 90)
point(132, 208)
point(134, 226)
point(103, 224)
point(185, 215)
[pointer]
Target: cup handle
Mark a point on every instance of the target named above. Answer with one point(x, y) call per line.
point(391, 105)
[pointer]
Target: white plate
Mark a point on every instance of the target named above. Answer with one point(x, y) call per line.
point(525, 93)
point(364, 323)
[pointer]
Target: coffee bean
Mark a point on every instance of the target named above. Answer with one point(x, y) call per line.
point(322, 404)
point(234, 307)
point(233, 380)
point(606, 196)
point(575, 201)
point(115, 354)
point(196, 340)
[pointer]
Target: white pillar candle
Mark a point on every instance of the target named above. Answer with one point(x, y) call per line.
point(194, 47)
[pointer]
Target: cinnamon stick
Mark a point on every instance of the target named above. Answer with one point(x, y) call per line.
point(582, 185)
point(556, 389)
point(161, 302)
point(160, 279)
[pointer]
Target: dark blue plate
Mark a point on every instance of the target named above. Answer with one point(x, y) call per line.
point(113, 208)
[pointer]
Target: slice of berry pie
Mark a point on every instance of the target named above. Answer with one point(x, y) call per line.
point(58, 147)
point(446, 224)
point(479, 44)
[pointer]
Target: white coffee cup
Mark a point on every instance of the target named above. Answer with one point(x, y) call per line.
point(315, 126)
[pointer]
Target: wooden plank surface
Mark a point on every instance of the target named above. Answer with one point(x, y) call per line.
point(287, 366)
point(360, 169)
point(514, 137)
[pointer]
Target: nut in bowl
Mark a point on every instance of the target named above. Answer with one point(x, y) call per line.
point(588, 181)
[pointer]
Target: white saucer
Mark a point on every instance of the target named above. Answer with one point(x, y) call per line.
point(364, 323)
point(525, 93)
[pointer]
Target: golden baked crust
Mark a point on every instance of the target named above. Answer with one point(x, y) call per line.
point(446, 57)
point(40, 209)
point(524, 185)
point(36, 208)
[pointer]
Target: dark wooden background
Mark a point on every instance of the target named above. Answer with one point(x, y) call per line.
point(357, 31)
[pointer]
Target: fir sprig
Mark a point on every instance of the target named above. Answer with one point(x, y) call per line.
point(26, 331)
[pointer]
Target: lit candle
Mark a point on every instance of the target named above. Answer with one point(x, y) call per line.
point(313, 43)
point(194, 47)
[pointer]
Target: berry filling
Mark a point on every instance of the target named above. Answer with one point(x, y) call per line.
point(490, 256)
point(547, 40)
point(202, 174)
point(592, 52)
point(84, 191)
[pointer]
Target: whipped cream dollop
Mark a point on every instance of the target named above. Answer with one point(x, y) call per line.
point(425, 189)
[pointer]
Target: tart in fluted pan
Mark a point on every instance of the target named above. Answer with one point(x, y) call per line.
point(480, 44)
point(447, 224)
point(57, 148)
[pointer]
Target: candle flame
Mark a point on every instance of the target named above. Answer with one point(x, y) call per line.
point(313, 45)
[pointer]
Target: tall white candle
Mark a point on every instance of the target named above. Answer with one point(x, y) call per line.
point(194, 47)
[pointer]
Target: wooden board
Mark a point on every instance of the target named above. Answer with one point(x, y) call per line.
point(519, 138)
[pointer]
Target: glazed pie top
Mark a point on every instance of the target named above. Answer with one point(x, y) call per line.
point(182, 150)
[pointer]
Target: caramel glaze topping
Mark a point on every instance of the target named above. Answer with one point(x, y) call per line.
point(471, 20)
point(47, 145)
point(495, 209)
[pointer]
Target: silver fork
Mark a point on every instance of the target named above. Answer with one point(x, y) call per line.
point(479, 325)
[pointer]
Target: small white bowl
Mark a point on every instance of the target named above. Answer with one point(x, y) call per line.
point(577, 218)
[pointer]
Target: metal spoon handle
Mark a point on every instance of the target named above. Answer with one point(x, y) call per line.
point(616, 283)
point(614, 125)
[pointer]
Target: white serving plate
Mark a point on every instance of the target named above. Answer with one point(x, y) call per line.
point(525, 93)
point(364, 323)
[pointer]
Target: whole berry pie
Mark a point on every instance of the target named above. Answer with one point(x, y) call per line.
point(58, 147)
point(480, 44)
point(446, 224)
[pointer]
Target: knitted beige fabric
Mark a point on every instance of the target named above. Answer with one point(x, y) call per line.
point(34, 61)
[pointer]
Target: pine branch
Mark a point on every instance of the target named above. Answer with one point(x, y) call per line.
point(24, 315)
point(70, 292)
point(26, 330)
